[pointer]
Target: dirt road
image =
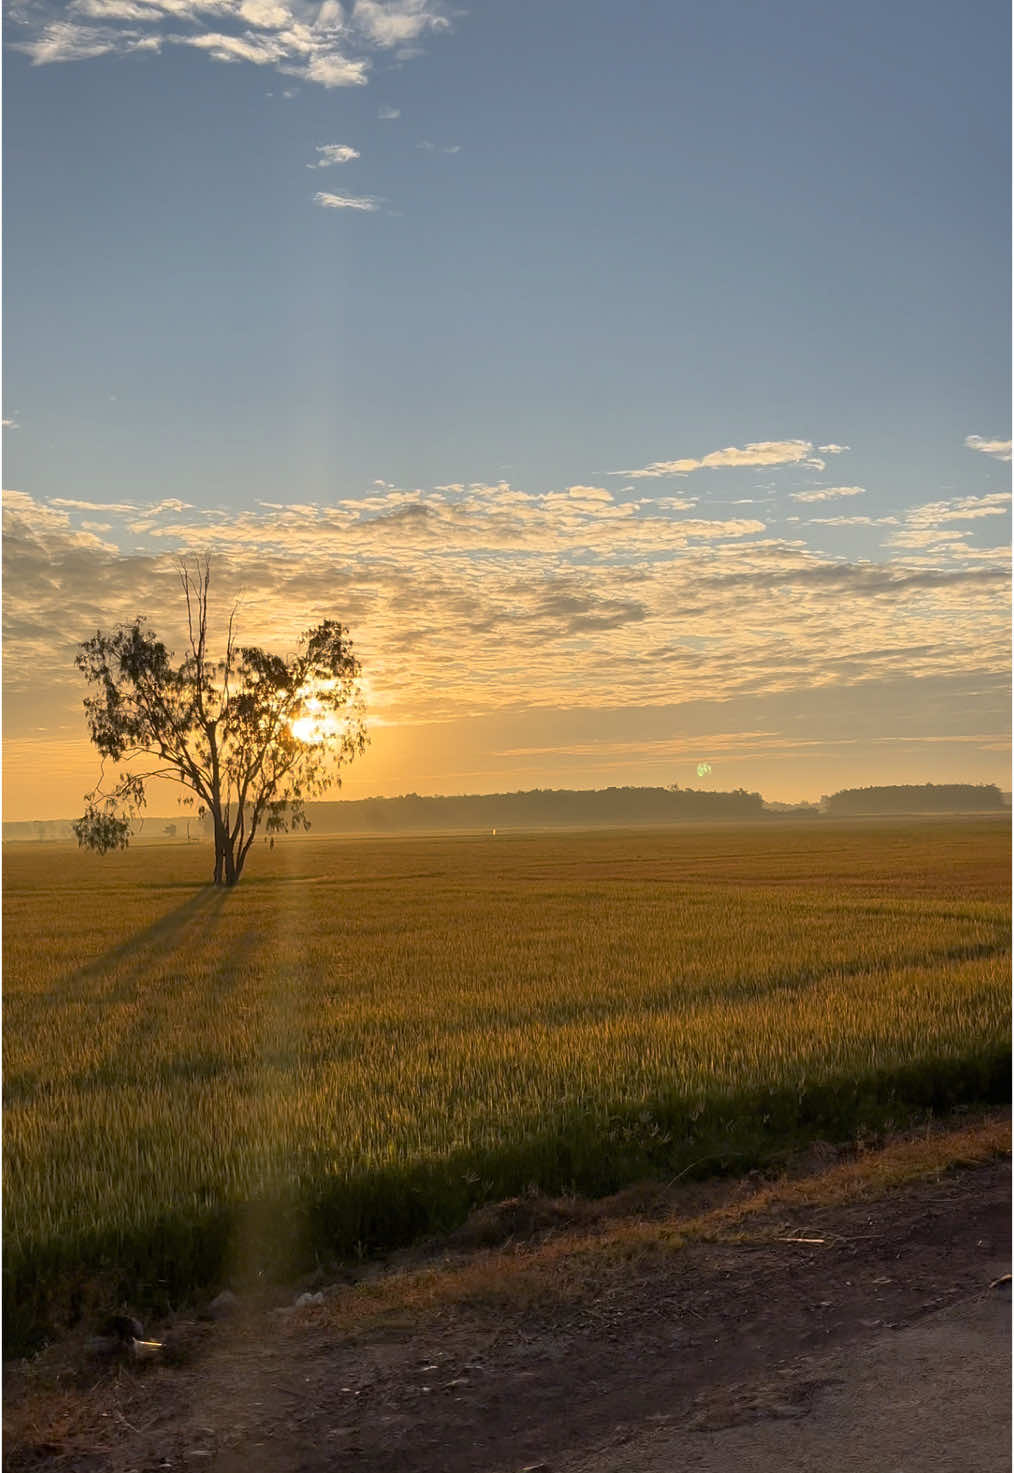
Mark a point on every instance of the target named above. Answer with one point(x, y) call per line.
point(862, 1335)
point(933, 1397)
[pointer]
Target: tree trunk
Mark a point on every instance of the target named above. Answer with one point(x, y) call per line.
point(227, 869)
point(225, 866)
point(229, 856)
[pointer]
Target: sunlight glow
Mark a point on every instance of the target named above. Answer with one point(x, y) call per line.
point(316, 724)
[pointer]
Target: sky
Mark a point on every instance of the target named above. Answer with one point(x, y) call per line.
point(633, 381)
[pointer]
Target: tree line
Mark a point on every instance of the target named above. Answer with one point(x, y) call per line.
point(535, 808)
point(916, 798)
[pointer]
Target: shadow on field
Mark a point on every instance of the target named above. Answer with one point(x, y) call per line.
point(185, 945)
point(167, 934)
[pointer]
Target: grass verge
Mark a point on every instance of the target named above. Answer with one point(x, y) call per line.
point(569, 1262)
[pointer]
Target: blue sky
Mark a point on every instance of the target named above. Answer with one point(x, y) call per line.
point(595, 239)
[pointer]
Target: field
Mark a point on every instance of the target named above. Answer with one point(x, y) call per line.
point(367, 1038)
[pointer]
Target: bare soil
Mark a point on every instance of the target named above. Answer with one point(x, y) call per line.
point(707, 1355)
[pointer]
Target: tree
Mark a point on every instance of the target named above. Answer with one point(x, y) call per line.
point(251, 736)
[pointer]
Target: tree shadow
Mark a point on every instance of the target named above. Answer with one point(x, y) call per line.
point(164, 936)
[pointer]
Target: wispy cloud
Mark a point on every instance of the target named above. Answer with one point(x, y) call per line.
point(828, 493)
point(320, 43)
point(962, 509)
point(833, 449)
point(345, 201)
point(388, 114)
point(999, 449)
point(395, 22)
point(67, 41)
point(852, 521)
point(171, 503)
point(931, 529)
point(715, 743)
point(11, 424)
point(67, 503)
point(333, 153)
point(759, 452)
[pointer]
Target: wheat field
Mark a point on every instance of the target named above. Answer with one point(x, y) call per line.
point(368, 1037)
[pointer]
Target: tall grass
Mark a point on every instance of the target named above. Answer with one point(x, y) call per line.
point(366, 1038)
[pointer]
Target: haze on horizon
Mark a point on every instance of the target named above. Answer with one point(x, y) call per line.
point(635, 386)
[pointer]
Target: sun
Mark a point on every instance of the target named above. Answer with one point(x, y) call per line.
point(317, 721)
point(316, 724)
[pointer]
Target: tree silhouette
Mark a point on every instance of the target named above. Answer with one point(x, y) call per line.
point(251, 736)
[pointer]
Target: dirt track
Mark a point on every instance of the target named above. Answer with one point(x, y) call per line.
point(933, 1397)
point(880, 1347)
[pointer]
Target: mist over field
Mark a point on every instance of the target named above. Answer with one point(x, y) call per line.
point(547, 808)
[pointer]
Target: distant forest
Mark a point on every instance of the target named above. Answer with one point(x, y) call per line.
point(569, 808)
point(915, 798)
point(539, 808)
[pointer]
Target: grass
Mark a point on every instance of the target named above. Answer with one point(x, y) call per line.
point(577, 1261)
point(367, 1038)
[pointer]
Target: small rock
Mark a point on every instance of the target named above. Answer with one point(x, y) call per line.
point(305, 1299)
point(223, 1305)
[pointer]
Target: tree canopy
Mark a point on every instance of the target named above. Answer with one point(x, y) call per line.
point(250, 736)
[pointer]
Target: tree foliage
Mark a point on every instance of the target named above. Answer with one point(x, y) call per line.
point(250, 736)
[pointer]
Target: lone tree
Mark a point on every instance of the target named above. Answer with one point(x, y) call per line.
point(251, 736)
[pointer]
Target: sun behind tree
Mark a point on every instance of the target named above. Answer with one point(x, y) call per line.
point(252, 736)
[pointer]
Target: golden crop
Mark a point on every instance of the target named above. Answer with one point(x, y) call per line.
point(366, 1037)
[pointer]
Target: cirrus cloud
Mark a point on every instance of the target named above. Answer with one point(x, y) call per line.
point(828, 493)
point(757, 453)
point(328, 201)
point(334, 153)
